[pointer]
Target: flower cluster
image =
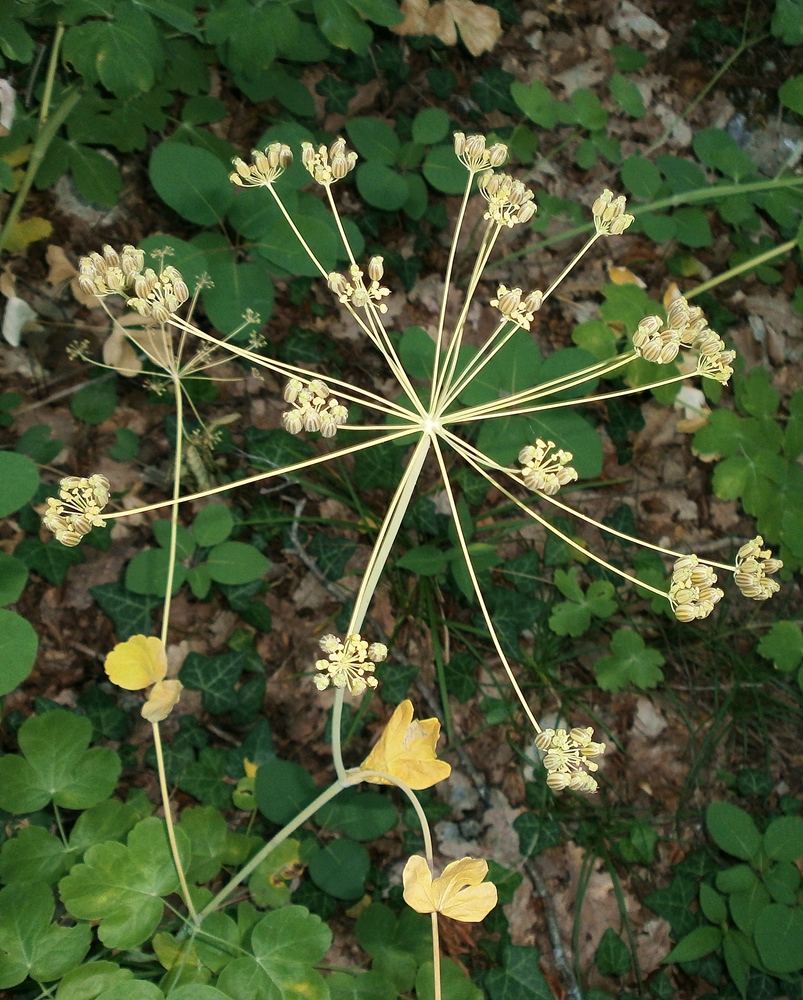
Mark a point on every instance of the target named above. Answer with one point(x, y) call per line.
point(509, 201)
point(111, 273)
point(350, 664)
point(355, 292)
point(692, 593)
point(685, 326)
point(568, 758)
point(328, 165)
point(314, 408)
point(475, 155)
point(545, 468)
point(610, 218)
point(754, 566)
point(158, 296)
point(264, 167)
point(509, 303)
point(77, 509)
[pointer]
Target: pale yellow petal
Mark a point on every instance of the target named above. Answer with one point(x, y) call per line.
point(417, 881)
point(137, 663)
point(406, 750)
point(163, 699)
point(460, 892)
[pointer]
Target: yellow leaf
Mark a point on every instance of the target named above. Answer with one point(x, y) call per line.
point(137, 663)
point(162, 700)
point(26, 232)
point(459, 893)
point(250, 768)
point(624, 276)
point(406, 750)
point(479, 25)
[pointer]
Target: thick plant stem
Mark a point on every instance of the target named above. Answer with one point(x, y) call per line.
point(48, 127)
point(171, 831)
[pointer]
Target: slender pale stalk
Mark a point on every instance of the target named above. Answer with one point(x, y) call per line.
point(461, 538)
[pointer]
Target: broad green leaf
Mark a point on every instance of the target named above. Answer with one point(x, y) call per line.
point(520, 977)
point(207, 833)
point(568, 618)
point(630, 662)
point(235, 289)
point(236, 562)
point(424, 560)
point(696, 944)
point(783, 838)
point(361, 815)
point(57, 766)
point(146, 574)
point(95, 402)
point(712, 905)
point(779, 938)
point(268, 884)
point(790, 94)
point(216, 676)
point(18, 646)
point(97, 178)
point(373, 139)
point(30, 944)
point(733, 830)
point(34, 853)
point(627, 96)
point(212, 525)
point(123, 885)
point(443, 171)
point(783, 645)
point(185, 540)
point(370, 985)
point(537, 103)
point(89, 981)
point(745, 906)
point(342, 25)
point(455, 984)
point(381, 186)
point(340, 868)
point(612, 955)
point(19, 481)
point(641, 177)
point(131, 613)
point(430, 125)
point(283, 789)
point(398, 945)
point(191, 181)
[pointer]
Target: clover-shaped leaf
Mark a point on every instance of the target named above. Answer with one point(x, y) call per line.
point(30, 944)
point(630, 662)
point(57, 766)
point(122, 885)
point(783, 645)
point(572, 617)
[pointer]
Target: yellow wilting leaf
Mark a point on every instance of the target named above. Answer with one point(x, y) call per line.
point(480, 26)
point(137, 663)
point(26, 232)
point(624, 276)
point(162, 700)
point(406, 749)
point(459, 893)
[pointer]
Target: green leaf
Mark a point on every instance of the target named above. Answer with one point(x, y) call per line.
point(588, 108)
point(641, 177)
point(236, 563)
point(331, 555)
point(692, 228)
point(340, 868)
point(537, 103)
point(746, 906)
point(361, 815)
point(97, 178)
point(779, 938)
point(30, 944)
point(203, 778)
point(443, 171)
point(207, 833)
point(612, 955)
point(50, 559)
point(286, 943)
point(424, 560)
point(696, 944)
point(95, 402)
point(430, 125)
point(216, 676)
point(455, 985)
point(268, 884)
point(398, 946)
point(374, 140)
point(381, 186)
point(89, 981)
point(19, 481)
point(235, 289)
point(283, 789)
point(520, 977)
point(630, 662)
point(342, 26)
point(123, 885)
point(783, 645)
point(18, 646)
point(370, 985)
point(212, 525)
point(56, 766)
point(790, 94)
point(131, 613)
point(34, 853)
point(783, 838)
point(627, 96)
point(146, 574)
point(733, 830)
point(712, 905)
point(787, 21)
point(191, 181)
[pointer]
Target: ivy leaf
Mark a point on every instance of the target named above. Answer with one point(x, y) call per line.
point(631, 662)
point(49, 559)
point(57, 766)
point(131, 613)
point(29, 943)
point(122, 885)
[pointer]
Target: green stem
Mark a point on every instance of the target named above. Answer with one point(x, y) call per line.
point(746, 265)
point(46, 132)
point(710, 193)
point(437, 653)
point(171, 832)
